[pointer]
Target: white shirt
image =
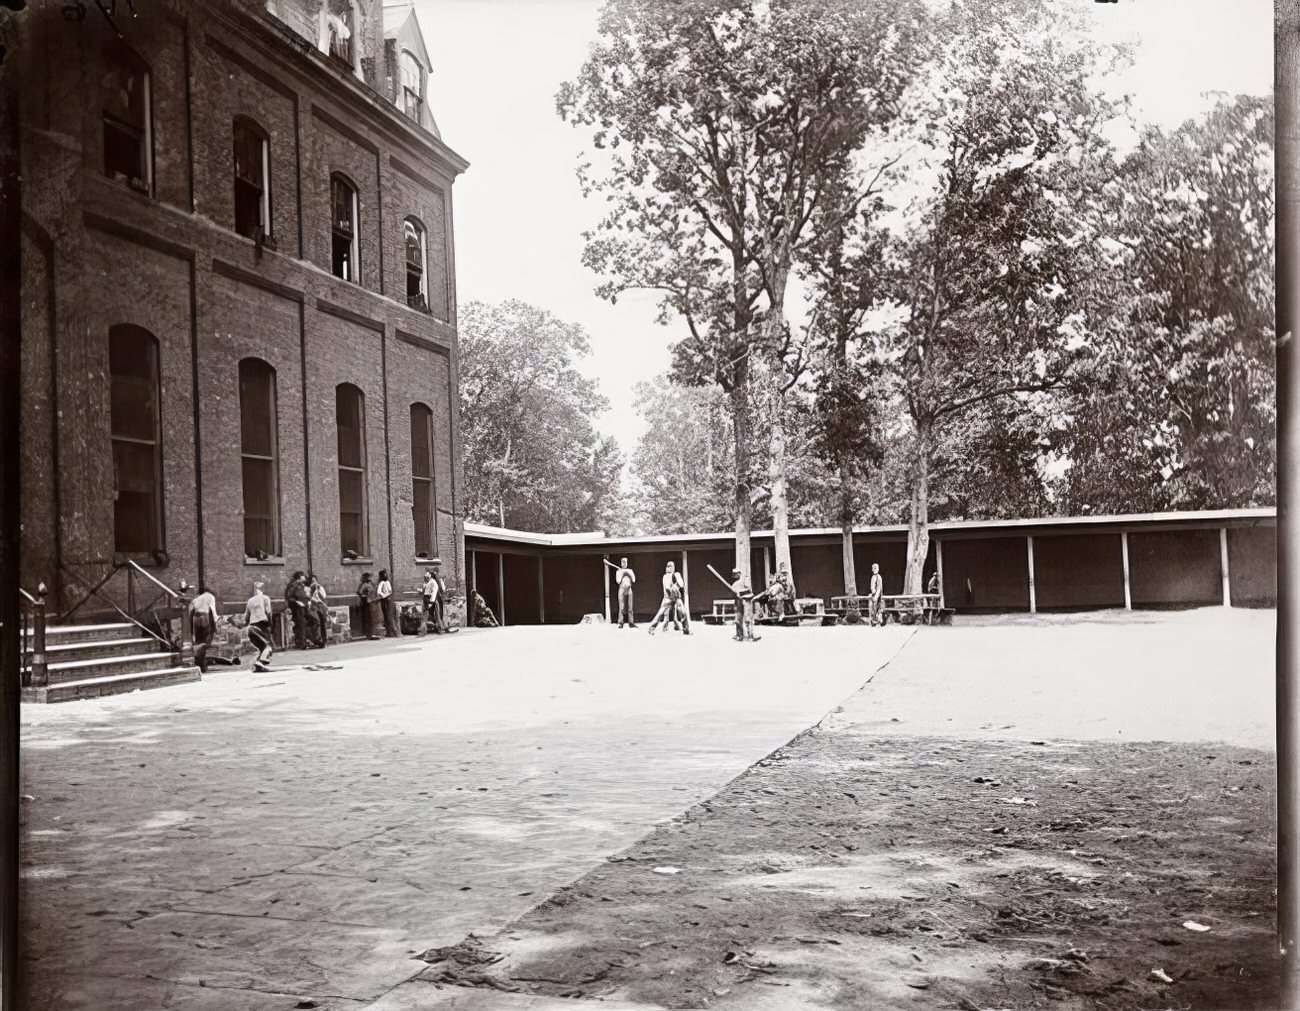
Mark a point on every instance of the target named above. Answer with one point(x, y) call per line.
point(673, 579)
point(204, 602)
point(385, 589)
point(258, 608)
point(430, 588)
point(877, 584)
point(318, 595)
point(625, 577)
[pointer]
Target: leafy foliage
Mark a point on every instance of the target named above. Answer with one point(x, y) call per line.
point(533, 457)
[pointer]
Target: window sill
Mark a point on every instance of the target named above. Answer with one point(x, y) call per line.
point(263, 561)
point(357, 561)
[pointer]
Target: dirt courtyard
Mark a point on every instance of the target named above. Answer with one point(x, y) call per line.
point(1008, 813)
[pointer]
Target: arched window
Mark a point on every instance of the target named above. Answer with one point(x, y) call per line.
point(259, 448)
point(350, 412)
point(344, 228)
point(137, 455)
point(128, 112)
point(417, 262)
point(412, 85)
point(252, 180)
point(422, 479)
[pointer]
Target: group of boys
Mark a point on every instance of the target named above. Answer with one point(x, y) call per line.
point(671, 608)
point(308, 605)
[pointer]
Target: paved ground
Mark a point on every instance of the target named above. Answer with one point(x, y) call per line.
point(260, 839)
point(256, 839)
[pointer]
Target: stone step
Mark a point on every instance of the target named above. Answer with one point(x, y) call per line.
point(117, 684)
point(89, 633)
point(62, 652)
point(85, 670)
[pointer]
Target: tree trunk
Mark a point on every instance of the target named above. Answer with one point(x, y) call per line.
point(780, 503)
point(846, 534)
point(740, 419)
point(918, 525)
point(774, 325)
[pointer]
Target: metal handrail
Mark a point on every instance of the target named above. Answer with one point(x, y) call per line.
point(95, 592)
point(132, 563)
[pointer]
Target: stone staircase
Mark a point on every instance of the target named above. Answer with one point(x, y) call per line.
point(89, 661)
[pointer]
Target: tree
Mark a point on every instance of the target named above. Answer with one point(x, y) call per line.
point(716, 120)
point(995, 270)
point(1180, 414)
point(683, 467)
point(533, 457)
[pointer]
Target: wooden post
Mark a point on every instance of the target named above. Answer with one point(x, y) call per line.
point(1128, 592)
point(1033, 599)
point(187, 633)
point(472, 574)
point(686, 588)
point(767, 566)
point(604, 575)
point(40, 670)
point(1223, 567)
point(501, 586)
point(541, 594)
point(938, 566)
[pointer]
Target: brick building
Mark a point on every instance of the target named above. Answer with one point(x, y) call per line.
point(239, 340)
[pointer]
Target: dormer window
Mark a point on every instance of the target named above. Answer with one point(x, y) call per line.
point(343, 228)
point(412, 85)
point(128, 153)
point(417, 294)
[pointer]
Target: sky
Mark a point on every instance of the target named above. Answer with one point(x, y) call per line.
point(519, 214)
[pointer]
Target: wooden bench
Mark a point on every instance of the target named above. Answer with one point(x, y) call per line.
point(724, 611)
point(914, 609)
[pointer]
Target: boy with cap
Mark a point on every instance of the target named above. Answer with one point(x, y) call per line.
point(744, 607)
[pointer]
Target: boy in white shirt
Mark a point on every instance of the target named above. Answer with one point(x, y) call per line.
point(673, 601)
point(625, 579)
point(385, 594)
point(257, 616)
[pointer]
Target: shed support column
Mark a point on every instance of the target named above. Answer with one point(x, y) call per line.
point(767, 567)
point(1223, 566)
point(471, 572)
point(1033, 600)
point(686, 588)
point(1128, 592)
point(604, 575)
point(938, 566)
point(501, 585)
point(541, 594)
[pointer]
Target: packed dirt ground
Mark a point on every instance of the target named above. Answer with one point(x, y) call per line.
point(1063, 812)
point(921, 872)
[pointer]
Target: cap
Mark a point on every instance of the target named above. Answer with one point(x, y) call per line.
point(735, 572)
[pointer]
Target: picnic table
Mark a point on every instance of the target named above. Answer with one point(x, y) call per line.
point(914, 608)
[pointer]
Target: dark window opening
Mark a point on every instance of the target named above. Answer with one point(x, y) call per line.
point(259, 452)
point(126, 115)
point(252, 181)
point(343, 228)
point(417, 296)
point(350, 414)
point(422, 503)
point(137, 457)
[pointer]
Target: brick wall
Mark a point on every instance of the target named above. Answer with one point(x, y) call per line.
point(97, 254)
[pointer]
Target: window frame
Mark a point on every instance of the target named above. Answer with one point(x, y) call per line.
point(362, 551)
point(418, 93)
point(354, 247)
point(276, 550)
point(158, 534)
point(420, 300)
point(264, 201)
point(426, 413)
point(122, 53)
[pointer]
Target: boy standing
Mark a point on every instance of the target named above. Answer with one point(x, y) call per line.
point(625, 579)
point(384, 591)
point(744, 594)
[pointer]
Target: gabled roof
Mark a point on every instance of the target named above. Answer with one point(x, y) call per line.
point(401, 25)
